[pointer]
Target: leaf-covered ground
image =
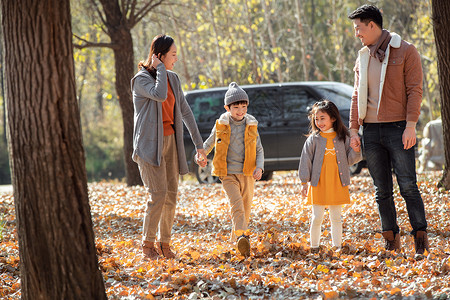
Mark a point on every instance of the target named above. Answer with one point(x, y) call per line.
point(280, 266)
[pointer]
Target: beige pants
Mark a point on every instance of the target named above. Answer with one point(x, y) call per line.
point(162, 184)
point(239, 190)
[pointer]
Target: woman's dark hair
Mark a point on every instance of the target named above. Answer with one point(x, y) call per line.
point(367, 13)
point(328, 107)
point(160, 46)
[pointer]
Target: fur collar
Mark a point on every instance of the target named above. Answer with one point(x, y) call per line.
point(225, 119)
point(395, 42)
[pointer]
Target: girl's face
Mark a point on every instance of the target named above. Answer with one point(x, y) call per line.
point(237, 111)
point(323, 120)
point(170, 58)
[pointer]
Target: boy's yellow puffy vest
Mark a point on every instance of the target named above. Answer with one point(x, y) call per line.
point(223, 141)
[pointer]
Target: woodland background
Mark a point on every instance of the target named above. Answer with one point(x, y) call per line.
point(219, 41)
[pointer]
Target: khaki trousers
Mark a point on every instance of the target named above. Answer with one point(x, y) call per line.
point(239, 190)
point(162, 184)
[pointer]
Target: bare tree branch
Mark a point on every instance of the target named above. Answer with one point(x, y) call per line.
point(136, 18)
point(100, 14)
point(88, 44)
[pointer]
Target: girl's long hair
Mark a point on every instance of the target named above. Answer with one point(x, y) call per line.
point(328, 107)
point(160, 46)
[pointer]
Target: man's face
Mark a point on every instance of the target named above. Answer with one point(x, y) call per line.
point(368, 34)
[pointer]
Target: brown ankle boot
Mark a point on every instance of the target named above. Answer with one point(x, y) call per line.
point(165, 250)
point(149, 250)
point(421, 243)
point(392, 241)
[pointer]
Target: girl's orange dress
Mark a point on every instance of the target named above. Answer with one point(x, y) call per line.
point(329, 190)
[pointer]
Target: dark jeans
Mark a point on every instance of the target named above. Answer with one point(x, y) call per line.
point(384, 153)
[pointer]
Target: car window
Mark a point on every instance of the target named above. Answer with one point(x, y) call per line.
point(265, 104)
point(341, 96)
point(297, 102)
point(207, 106)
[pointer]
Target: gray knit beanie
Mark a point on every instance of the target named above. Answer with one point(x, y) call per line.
point(235, 94)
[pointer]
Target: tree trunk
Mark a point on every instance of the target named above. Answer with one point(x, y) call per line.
point(256, 75)
point(441, 23)
point(56, 240)
point(272, 39)
point(216, 38)
point(99, 87)
point(124, 62)
point(120, 35)
point(181, 42)
point(304, 48)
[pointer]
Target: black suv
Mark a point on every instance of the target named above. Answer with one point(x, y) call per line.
point(282, 114)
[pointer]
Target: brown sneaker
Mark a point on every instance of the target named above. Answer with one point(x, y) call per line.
point(392, 242)
point(243, 245)
point(149, 250)
point(165, 250)
point(421, 244)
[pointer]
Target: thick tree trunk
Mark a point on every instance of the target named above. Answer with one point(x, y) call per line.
point(120, 34)
point(124, 61)
point(441, 23)
point(56, 240)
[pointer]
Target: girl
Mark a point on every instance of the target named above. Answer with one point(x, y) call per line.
point(159, 112)
point(324, 164)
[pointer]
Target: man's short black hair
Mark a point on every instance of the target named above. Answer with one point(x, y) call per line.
point(367, 13)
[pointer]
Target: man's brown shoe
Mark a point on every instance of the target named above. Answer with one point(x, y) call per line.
point(421, 244)
point(392, 241)
point(149, 250)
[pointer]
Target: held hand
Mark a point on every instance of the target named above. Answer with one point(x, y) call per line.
point(355, 146)
point(355, 141)
point(155, 61)
point(257, 173)
point(304, 190)
point(200, 158)
point(409, 137)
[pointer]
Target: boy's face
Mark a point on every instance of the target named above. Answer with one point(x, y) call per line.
point(237, 111)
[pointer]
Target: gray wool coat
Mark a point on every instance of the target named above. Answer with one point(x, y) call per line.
point(148, 96)
point(312, 158)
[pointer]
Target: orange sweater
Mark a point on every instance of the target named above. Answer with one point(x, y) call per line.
point(167, 111)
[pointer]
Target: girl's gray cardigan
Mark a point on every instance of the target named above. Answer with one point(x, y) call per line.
point(312, 158)
point(148, 96)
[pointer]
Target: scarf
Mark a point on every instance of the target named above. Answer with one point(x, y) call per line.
point(379, 49)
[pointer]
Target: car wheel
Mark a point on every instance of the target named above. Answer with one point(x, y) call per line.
point(267, 176)
point(356, 168)
point(204, 174)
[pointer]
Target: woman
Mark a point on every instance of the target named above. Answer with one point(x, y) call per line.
point(159, 110)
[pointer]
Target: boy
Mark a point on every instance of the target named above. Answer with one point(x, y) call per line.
point(238, 160)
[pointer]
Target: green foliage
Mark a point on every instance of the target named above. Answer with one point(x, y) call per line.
point(104, 151)
point(5, 173)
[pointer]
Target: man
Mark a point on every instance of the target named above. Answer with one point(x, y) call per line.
point(386, 102)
